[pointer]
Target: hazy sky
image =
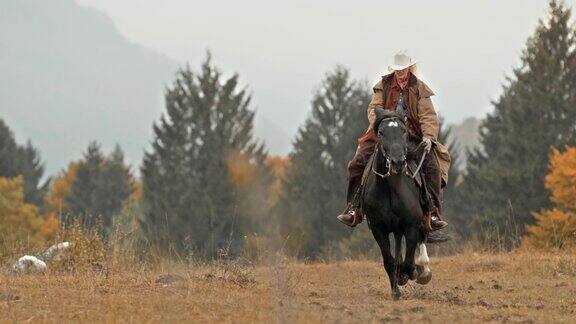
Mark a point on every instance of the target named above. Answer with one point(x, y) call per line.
point(282, 49)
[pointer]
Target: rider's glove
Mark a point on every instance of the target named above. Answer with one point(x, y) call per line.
point(427, 144)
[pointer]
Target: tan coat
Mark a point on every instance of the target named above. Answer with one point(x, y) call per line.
point(420, 107)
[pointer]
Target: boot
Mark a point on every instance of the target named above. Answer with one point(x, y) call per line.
point(433, 180)
point(352, 216)
point(436, 222)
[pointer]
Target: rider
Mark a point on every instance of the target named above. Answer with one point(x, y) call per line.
point(401, 90)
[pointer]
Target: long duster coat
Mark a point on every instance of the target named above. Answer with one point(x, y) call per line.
point(420, 110)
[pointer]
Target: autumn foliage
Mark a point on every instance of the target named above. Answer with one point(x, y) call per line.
point(55, 202)
point(22, 225)
point(278, 165)
point(60, 189)
point(556, 227)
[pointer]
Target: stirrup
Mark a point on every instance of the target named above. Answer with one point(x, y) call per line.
point(351, 216)
point(440, 224)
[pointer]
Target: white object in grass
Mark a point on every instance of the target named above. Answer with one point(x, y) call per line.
point(29, 263)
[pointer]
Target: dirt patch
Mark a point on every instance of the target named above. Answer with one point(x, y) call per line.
point(486, 266)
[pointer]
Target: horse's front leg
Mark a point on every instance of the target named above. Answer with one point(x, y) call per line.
point(388, 260)
point(408, 266)
point(400, 254)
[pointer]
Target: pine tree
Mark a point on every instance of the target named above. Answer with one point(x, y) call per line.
point(114, 186)
point(25, 160)
point(316, 180)
point(202, 146)
point(454, 174)
point(100, 187)
point(537, 111)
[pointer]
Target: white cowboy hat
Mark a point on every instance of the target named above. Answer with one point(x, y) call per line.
point(401, 62)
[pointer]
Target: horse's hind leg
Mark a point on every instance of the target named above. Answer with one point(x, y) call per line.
point(388, 260)
point(422, 261)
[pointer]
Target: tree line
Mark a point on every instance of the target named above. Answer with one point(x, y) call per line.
point(207, 184)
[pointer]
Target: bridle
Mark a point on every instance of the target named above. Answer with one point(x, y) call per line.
point(388, 163)
point(388, 166)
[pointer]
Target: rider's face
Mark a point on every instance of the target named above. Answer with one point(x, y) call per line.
point(401, 74)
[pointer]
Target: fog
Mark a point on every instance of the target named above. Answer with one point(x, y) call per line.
point(282, 48)
point(73, 74)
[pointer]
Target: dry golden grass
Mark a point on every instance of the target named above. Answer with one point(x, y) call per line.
point(516, 287)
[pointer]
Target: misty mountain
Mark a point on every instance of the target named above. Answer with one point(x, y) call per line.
point(67, 76)
point(466, 136)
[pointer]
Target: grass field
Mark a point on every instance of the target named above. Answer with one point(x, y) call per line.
point(515, 287)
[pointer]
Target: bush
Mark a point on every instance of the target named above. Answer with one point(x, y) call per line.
point(87, 252)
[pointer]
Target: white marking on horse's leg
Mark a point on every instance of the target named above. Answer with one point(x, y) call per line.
point(421, 256)
point(421, 260)
point(403, 247)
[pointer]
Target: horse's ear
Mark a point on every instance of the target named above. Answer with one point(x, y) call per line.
point(379, 111)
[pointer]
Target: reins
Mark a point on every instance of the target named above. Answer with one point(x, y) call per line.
point(419, 164)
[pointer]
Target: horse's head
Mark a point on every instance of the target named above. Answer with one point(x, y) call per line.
point(392, 138)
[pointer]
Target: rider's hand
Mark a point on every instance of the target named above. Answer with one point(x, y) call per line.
point(427, 144)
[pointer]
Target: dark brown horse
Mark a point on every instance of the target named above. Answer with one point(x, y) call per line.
point(391, 201)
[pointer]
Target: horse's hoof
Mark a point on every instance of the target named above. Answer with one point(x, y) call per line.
point(414, 275)
point(403, 280)
point(424, 277)
point(396, 295)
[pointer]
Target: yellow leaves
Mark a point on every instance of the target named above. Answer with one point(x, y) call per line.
point(49, 229)
point(278, 165)
point(240, 170)
point(557, 227)
point(61, 186)
point(13, 210)
point(561, 181)
point(56, 201)
point(138, 193)
point(553, 228)
point(20, 223)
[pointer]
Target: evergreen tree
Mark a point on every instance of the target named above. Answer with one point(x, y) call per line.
point(114, 186)
point(316, 181)
point(100, 188)
point(203, 151)
point(537, 110)
point(25, 160)
point(454, 174)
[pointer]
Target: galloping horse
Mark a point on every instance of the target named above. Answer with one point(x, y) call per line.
point(391, 201)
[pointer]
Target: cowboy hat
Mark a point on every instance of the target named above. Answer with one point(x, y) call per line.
point(401, 62)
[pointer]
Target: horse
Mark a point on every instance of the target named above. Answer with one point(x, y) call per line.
point(391, 201)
